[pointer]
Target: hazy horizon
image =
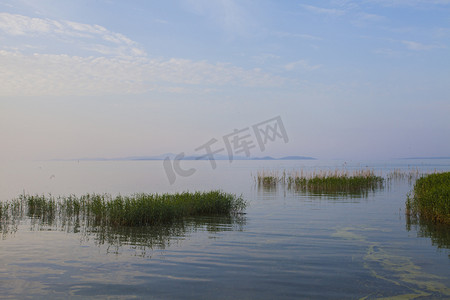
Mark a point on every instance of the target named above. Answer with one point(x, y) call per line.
point(194, 156)
point(349, 79)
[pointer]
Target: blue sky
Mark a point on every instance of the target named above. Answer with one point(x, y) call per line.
point(363, 79)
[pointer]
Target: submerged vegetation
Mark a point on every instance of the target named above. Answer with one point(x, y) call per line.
point(431, 198)
point(136, 210)
point(336, 181)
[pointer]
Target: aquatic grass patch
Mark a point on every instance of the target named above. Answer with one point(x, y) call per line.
point(145, 221)
point(136, 210)
point(410, 174)
point(339, 181)
point(40, 207)
point(268, 178)
point(430, 198)
point(325, 181)
point(145, 209)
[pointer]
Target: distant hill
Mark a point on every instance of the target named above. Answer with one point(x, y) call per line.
point(298, 158)
point(284, 158)
point(225, 157)
point(198, 157)
point(263, 158)
point(428, 157)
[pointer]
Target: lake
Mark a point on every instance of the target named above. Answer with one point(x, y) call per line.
point(289, 244)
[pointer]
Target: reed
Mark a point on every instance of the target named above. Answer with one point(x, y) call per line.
point(324, 181)
point(136, 210)
point(430, 198)
point(268, 178)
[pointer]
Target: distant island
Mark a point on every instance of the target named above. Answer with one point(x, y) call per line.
point(220, 157)
point(285, 158)
point(197, 157)
point(428, 157)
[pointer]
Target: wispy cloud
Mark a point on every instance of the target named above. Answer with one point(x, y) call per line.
point(264, 57)
point(321, 10)
point(352, 10)
point(45, 74)
point(362, 16)
point(22, 25)
point(301, 64)
point(229, 15)
point(119, 65)
point(283, 34)
point(410, 3)
point(419, 46)
point(160, 21)
point(442, 32)
point(387, 52)
point(107, 41)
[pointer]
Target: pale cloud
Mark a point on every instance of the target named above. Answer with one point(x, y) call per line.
point(321, 10)
point(229, 15)
point(160, 21)
point(118, 66)
point(301, 64)
point(46, 74)
point(442, 32)
point(419, 46)
point(409, 2)
point(264, 58)
point(283, 34)
point(388, 52)
point(370, 17)
point(22, 25)
point(108, 41)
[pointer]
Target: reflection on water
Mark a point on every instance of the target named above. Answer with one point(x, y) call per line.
point(148, 238)
point(439, 233)
point(354, 194)
point(115, 237)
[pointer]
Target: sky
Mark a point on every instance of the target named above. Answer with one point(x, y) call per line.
point(366, 79)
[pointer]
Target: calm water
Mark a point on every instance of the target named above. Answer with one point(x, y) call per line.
point(288, 244)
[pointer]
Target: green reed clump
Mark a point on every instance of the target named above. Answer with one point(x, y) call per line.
point(335, 181)
point(268, 178)
point(431, 198)
point(40, 206)
point(339, 181)
point(136, 210)
point(145, 209)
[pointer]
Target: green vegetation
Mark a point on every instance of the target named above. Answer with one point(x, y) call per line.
point(136, 210)
point(268, 178)
point(431, 198)
point(410, 174)
point(337, 181)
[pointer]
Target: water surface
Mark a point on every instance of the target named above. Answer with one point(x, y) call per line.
point(289, 244)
